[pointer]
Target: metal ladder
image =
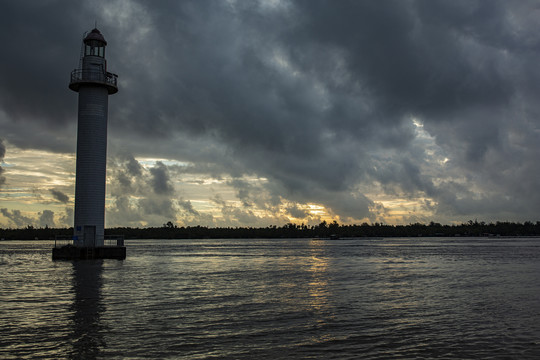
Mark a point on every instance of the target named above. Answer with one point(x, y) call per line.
point(89, 253)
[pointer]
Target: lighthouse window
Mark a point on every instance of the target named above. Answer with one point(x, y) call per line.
point(92, 49)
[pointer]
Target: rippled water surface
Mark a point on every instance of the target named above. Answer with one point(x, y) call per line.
point(280, 299)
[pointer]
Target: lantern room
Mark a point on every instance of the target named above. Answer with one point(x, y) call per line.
point(94, 44)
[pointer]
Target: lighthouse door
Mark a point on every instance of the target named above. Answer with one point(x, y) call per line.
point(89, 236)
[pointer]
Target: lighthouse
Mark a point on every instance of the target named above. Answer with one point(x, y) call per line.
point(94, 84)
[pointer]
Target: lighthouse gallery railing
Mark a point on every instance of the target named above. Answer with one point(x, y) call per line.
point(82, 75)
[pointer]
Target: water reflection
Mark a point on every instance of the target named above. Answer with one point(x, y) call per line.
point(87, 308)
point(318, 284)
point(264, 299)
point(319, 293)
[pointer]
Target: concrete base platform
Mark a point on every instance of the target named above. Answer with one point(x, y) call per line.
point(70, 252)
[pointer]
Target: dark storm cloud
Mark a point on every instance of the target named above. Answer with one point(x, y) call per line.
point(412, 56)
point(2, 150)
point(60, 196)
point(294, 211)
point(2, 154)
point(316, 96)
point(161, 182)
point(33, 72)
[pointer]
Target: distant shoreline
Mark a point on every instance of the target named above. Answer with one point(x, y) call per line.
point(321, 231)
point(329, 239)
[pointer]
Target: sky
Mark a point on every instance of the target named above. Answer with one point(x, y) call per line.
point(264, 112)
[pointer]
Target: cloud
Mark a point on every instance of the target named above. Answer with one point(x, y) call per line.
point(141, 196)
point(189, 216)
point(318, 98)
point(60, 196)
point(296, 212)
point(2, 150)
point(67, 218)
point(2, 154)
point(160, 181)
point(188, 207)
point(46, 218)
point(16, 217)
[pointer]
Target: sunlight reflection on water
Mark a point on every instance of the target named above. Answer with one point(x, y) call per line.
point(281, 298)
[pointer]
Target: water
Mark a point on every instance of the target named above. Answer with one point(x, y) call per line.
point(280, 299)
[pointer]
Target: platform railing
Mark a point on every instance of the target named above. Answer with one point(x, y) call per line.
point(62, 240)
point(81, 75)
point(113, 240)
point(109, 240)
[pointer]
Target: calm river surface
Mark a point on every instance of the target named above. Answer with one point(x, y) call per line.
point(446, 298)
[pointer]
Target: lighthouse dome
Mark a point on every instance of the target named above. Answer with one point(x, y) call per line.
point(94, 35)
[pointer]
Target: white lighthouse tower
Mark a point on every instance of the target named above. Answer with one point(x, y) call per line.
point(94, 84)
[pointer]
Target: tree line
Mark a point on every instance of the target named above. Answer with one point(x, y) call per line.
point(322, 230)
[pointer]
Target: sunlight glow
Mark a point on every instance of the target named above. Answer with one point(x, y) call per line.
point(317, 210)
point(199, 197)
point(417, 123)
point(151, 162)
